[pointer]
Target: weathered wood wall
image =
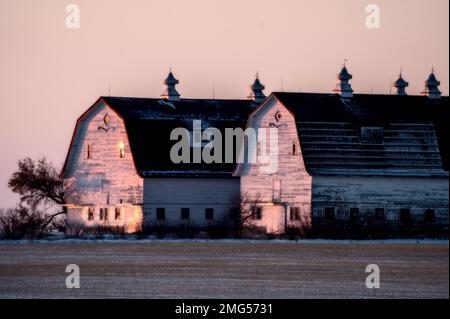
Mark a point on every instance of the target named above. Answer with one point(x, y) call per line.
point(291, 176)
point(105, 179)
point(390, 193)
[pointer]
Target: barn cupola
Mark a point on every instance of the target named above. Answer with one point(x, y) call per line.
point(257, 93)
point(343, 87)
point(170, 92)
point(401, 85)
point(432, 87)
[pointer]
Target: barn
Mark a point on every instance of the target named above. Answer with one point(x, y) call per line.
point(339, 157)
point(121, 173)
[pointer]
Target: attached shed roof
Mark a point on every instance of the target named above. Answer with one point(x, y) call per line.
point(414, 142)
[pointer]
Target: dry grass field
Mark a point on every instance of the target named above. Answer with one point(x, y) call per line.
point(223, 270)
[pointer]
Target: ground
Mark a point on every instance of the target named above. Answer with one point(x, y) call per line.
point(224, 269)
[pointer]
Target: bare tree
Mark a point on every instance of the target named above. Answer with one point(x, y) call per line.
point(39, 183)
point(243, 204)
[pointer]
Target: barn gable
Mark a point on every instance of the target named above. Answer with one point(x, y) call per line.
point(99, 163)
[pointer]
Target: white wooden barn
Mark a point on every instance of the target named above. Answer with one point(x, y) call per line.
point(340, 156)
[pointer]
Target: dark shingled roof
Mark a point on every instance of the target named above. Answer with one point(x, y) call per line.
point(149, 123)
point(415, 133)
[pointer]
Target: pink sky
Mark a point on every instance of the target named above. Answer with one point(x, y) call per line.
point(50, 74)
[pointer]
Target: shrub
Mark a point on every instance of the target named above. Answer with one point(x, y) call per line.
point(294, 233)
point(221, 228)
point(74, 230)
point(118, 232)
point(185, 230)
point(161, 230)
point(21, 222)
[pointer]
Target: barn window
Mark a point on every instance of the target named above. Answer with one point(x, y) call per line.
point(122, 150)
point(379, 214)
point(89, 151)
point(371, 135)
point(329, 213)
point(160, 213)
point(209, 213)
point(117, 213)
point(295, 213)
point(430, 216)
point(91, 213)
point(102, 214)
point(405, 216)
point(354, 214)
point(106, 214)
point(185, 213)
point(294, 148)
point(256, 213)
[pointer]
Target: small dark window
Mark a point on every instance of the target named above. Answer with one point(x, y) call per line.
point(256, 213)
point(185, 213)
point(209, 213)
point(379, 214)
point(89, 151)
point(295, 213)
point(102, 214)
point(234, 213)
point(329, 213)
point(354, 214)
point(160, 213)
point(294, 148)
point(430, 216)
point(117, 213)
point(91, 213)
point(106, 214)
point(405, 216)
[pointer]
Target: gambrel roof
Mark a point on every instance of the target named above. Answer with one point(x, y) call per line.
point(413, 142)
point(149, 122)
point(331, 129)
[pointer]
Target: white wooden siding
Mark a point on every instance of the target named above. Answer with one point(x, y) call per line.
point(105, 179)
point(390, 193)
point(197, 194)
point(291, 178)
